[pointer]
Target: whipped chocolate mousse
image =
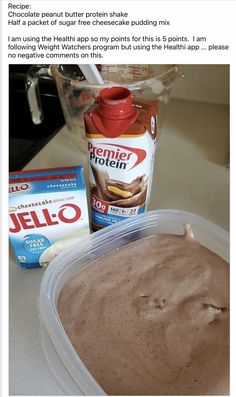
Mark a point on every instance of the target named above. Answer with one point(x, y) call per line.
point(151, 318)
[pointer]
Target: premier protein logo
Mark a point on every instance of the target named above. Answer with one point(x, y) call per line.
point(116, 156)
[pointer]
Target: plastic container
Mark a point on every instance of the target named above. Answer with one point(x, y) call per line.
point(71, 374)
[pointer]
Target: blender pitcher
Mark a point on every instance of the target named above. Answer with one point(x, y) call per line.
point(76, 94)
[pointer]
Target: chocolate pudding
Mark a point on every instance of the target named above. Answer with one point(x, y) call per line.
point(151, 318)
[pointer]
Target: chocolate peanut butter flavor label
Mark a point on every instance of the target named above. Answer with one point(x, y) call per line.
point(121, 136)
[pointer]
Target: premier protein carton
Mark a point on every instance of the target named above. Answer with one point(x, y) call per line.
point(47, 213)
point(121, 136)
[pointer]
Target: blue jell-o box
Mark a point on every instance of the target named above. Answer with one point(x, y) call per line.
point(47, 213)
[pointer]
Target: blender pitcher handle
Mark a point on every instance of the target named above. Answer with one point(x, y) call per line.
point(32, 91)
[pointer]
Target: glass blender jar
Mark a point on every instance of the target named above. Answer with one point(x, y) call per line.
point(76, 94)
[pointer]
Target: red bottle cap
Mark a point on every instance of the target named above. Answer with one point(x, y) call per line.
point(115, 112)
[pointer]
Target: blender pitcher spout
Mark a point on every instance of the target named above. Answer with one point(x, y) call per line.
point(33, 92)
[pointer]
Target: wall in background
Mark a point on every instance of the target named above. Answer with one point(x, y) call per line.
point(203, 83)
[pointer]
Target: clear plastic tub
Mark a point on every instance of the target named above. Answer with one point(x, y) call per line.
point(71, 374)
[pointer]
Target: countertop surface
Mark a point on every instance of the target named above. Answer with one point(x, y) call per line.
point(191, 173)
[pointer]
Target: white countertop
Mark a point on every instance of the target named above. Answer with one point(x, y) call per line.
point(191, 174)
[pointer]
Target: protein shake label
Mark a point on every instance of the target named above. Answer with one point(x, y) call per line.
point(120, 164)
point(47, 213)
